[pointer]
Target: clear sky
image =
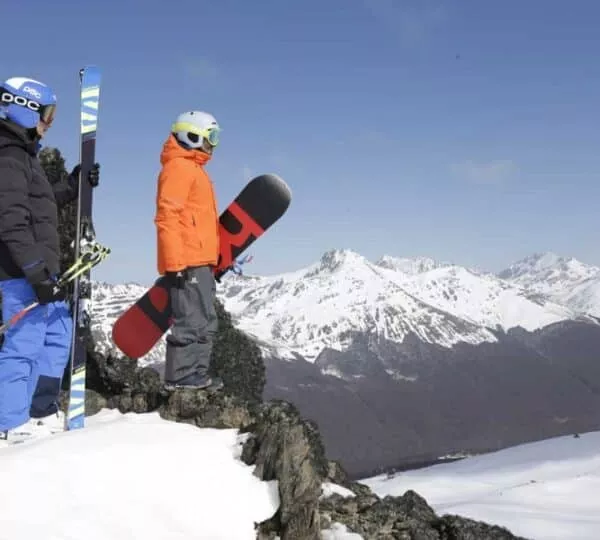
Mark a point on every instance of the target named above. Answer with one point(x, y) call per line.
point(462, 130)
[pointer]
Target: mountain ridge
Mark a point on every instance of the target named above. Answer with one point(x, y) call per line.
point(426, 363)
point(306, 311)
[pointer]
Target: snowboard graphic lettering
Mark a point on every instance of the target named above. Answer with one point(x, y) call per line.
point(258, 206)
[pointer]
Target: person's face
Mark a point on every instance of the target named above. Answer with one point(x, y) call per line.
point(207, 147)
point(41, 128)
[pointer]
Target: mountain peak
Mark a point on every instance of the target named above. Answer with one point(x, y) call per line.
point(334, 259)
point(543, 264)
point(409, 265)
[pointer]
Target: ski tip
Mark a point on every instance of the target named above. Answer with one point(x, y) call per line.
point(90, 71)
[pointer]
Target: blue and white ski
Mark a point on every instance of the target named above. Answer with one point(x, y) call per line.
point(85, 236)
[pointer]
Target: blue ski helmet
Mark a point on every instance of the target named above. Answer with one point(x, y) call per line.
point(26, 101)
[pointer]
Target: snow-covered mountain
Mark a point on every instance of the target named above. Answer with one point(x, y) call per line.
point(543, 491)
point(319, 306)
point(564, 280)
point(322, 305)
point(380, 341)
point(411, 266)
point(316, 307)
point(108, 302)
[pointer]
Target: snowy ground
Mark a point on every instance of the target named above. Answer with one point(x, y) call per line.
point(136, 476)
point(131, 476)
point(544, 491)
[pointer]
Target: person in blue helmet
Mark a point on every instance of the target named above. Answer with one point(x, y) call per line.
point(35, 351)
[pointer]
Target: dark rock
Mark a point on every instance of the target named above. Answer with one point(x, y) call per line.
point(94, 402)
point(237, 360)
point(285, 447)
point(406, 517)
point(459, 528)
point(337, 474)
point(204, 409)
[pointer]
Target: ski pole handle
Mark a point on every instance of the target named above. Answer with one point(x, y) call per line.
point(17, 317)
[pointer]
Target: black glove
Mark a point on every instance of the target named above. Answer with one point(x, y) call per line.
point(177, 279)
point(48, 291)
point(93, 176)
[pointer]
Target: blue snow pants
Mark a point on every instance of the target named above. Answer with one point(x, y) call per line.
point(33, 356)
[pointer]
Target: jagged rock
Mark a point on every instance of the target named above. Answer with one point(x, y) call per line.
point(110, 375)
point(285, 447)
point(206, 409)
point(237, 360)
point(94, 402)
point(337, 474)
point(407, 517)
point(456, 527)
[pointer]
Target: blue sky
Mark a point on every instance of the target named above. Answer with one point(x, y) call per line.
point(460, 130)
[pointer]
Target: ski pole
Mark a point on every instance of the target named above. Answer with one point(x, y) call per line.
point(86, 262)
point(18, 316)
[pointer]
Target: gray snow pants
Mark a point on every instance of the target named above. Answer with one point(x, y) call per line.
point(195, 324)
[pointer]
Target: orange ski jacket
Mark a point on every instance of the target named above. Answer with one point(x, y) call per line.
point(187, 222)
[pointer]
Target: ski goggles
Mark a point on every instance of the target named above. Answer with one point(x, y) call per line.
point(45, 112)
point(211, 134)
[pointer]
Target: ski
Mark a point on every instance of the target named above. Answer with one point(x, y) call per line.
point(84, 238)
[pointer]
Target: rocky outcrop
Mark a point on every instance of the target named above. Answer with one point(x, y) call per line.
point(285, 447)
point(235, 358)
point(407, 517)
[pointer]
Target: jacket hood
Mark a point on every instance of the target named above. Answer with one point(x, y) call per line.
point(172, 149)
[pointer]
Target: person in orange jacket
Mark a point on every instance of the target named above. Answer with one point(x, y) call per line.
point(187, 226)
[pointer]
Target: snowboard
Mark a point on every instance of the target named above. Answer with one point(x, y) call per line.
point(257, 207)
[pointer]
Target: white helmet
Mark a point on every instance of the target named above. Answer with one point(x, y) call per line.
point(193, 127)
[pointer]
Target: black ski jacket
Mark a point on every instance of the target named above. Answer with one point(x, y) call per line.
point(29, 241)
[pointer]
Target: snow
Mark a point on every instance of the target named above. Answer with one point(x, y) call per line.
point(441, 303)
point(566, 281)
point(547, 490)
point(132, 476)
point(338, 531)
point(483, 299)
point(410, 266)
point(316, 307)
point(300, 313)
point(329, 488)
